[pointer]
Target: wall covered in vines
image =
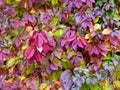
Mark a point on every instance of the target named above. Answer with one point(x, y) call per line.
point(59, 44)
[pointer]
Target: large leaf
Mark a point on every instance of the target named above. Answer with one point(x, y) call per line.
point(66, 80)
point(29, 52)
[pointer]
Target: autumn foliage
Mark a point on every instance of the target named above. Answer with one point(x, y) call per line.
point(59, 45)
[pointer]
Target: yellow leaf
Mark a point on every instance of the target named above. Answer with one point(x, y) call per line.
point(43, 86)
point(96, 19)
point(21, 77)
point(24, 47)
point(87, 36)
point(117, 83)
point(97, 26)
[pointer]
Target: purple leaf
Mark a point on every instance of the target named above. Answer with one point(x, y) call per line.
point(53, 66)
point(74, 44)
point(93, 80)
point(17, 41)
point(88, 80)
point(66, 80)
point(29, 17)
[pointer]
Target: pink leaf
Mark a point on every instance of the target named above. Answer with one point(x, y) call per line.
point(38, 56)
point(29, 52)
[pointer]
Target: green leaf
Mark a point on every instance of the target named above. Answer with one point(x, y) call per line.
point(107, 56)
point(96, 19)
point(11, 62)
point(118, 24)
point(108, 88)
point(54, 21)
point(59, 32)
point(54, 2)
point(55, 75)
point(72, 16)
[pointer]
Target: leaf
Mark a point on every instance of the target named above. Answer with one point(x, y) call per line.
point(55, 75)
point(17, 41)
point(58, 32)
point(118, 24)
point(97, 26)
point(39, 40)
point(54, 2)
point(38, 56)
point(106, 31)
point(53, 66)
point(116, 83)
point(54, 20)
point(29, 52)
point(43, 86)
point(96, 19)
point(22, 77)
point(11, 62)
point(66, 80)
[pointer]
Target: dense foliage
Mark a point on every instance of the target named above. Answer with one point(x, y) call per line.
point(59, 44)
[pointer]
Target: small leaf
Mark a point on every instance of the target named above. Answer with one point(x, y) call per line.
point(54, 20)
point(53, 66)
point(97, 26)
point(43, 86)
point(54, 2)
point(21, 77)
point(11, 62)
point(58, 32)
point(106, 31)
point(96, 19)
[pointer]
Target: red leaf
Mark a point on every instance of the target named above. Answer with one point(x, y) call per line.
point(31, 41)
point(38, 56)
point(29, 52)
point(39, 41)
